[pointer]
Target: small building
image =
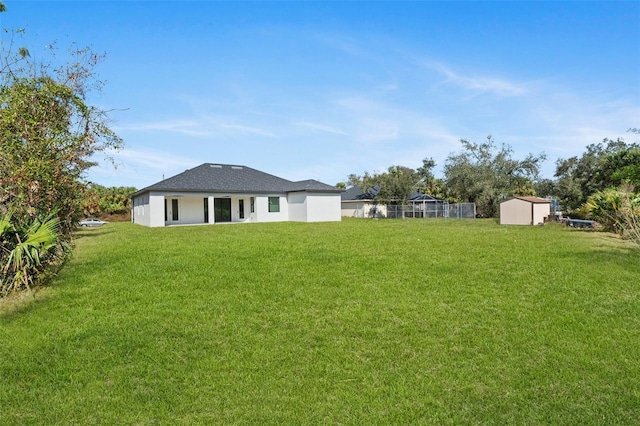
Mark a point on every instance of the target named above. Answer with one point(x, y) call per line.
point(423, 205)
point(223, 193)
point(524, 211)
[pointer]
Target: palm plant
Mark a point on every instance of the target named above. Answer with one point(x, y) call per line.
point(604, 207)
point(630, 214)
point(27, 252)
point(617, 210)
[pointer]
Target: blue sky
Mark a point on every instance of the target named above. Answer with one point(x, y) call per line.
point(319, 90)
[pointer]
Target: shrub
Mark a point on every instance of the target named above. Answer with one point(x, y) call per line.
point(617, 210)
point(28, 253)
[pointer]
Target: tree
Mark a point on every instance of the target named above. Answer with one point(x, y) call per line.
point(48, 133)
point(545, 187)
point(98, 199)
point(620, 167)
point(363, 182)
point(428, 183)
point(603, 165)
point(397, 184)
point(485, 174)
point(393, 186)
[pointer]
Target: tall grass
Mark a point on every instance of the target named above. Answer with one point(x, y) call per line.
point(358, 322)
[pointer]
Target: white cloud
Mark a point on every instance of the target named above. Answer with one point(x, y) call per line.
point(185, 127)
point(198, 127)
point(478, 84)
point(322, 128)
point(137, 167)
point(247, 129)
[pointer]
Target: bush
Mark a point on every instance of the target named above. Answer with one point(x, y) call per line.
point(28, 253)
point(617, 210)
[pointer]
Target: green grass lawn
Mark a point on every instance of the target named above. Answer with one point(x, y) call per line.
point(358, 322)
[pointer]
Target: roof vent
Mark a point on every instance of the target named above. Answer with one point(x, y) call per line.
point(216, 166)
point(236, 167)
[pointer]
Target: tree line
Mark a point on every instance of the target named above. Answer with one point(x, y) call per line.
point(602, 184)
point(101, 201)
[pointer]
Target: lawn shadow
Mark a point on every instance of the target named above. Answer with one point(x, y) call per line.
point(607, 248)
point(92, 232)
point(23, 301)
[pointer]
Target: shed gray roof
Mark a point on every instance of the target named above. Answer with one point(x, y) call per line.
point(228, 178)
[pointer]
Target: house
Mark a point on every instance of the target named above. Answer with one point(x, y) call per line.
point(356, 203)
point(222, 193)
point(524, 211)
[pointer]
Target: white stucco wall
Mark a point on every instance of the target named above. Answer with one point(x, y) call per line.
point(191, 210)
point(263, 214)
point(323, 207)
point(210, 202)
point(156, 209)
point(235, 209)
point(140, 214)
point(362, 209)
point(298, 206)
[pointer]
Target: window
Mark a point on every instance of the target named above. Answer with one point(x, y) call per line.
point(253, 205)
point(274, 204)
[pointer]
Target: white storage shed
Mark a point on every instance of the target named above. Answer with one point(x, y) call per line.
point(524, 211)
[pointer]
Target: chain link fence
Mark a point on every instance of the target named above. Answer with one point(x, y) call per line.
point(462, 211)
point(428, 210)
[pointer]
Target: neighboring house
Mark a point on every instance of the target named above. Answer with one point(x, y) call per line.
point(524, 211)
point(222, 193)
point(355, 203)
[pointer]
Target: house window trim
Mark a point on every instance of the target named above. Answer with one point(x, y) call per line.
point(275, 207)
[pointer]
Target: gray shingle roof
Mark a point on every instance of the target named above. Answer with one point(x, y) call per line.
point(423, 197)
point(352, 194)
point(210, 177)
point(355, 194)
